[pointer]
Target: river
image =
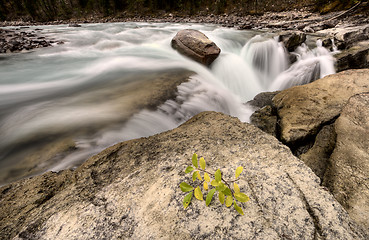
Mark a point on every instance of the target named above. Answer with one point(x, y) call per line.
point(62, 104)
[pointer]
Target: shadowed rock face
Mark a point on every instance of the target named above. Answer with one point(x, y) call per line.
point(131, 191)
point(195, 45)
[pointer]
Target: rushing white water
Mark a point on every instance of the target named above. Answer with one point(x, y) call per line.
point(80, 90)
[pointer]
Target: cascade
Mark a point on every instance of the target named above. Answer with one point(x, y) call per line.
point(267, 57)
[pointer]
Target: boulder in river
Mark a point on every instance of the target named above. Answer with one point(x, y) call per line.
point(131, 191)
point(196, 45)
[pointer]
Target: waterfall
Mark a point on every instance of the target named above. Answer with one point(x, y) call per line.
point(267, 57)
point(80, 91)
point(310, 65)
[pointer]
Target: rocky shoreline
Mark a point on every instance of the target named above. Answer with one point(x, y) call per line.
point(300, 21)
point(22, 39)
point(289, 20)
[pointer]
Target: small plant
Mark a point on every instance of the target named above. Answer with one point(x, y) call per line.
point(226, 194)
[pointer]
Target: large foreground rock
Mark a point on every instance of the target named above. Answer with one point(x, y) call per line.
point(303, 110)
point(196, 45)
point(131, 191)
point(347, 173)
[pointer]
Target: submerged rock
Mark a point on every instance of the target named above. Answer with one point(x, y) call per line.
point(74, 25)
point(196, 45)
point(131, 191)
point(347, 173)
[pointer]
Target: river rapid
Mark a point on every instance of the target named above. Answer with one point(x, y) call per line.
point(60, 105)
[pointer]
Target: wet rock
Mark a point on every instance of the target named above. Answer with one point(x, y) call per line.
point(196, 45)
point(347, 174)
point(355, 57)
point(292, 40)
point(131, 191)
point(263, 99)
point(74, 25)
point(303, 110)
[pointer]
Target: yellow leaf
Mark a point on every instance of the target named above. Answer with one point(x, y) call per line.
point(206, 177)
point(236, 188)
point(206, 187)
point(239, 171)
point(198, 194)
point(199, 176)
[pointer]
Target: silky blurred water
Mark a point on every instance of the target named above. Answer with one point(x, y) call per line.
point(78, 90)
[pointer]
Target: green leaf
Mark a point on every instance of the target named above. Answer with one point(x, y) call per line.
point(185, 187)
point(221, 187)
point(236, 188)
point(206, 186)
point(187, 200)
point(206, 177)
point(238, 209)
point(218, 176)
point(241, 197)
point(189, 169)
point(209, 196)
point(221, 197)
point(194, 160)
point(214, 183)
point(194, 175)
point(227, 192)
point(228, 202)
point(239, 171)
point(198, 194)
point(202, 163)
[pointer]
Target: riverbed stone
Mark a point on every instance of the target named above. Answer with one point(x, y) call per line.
point(196, 45)
point(131, 191)
point(347, 173)
point(303, 110)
